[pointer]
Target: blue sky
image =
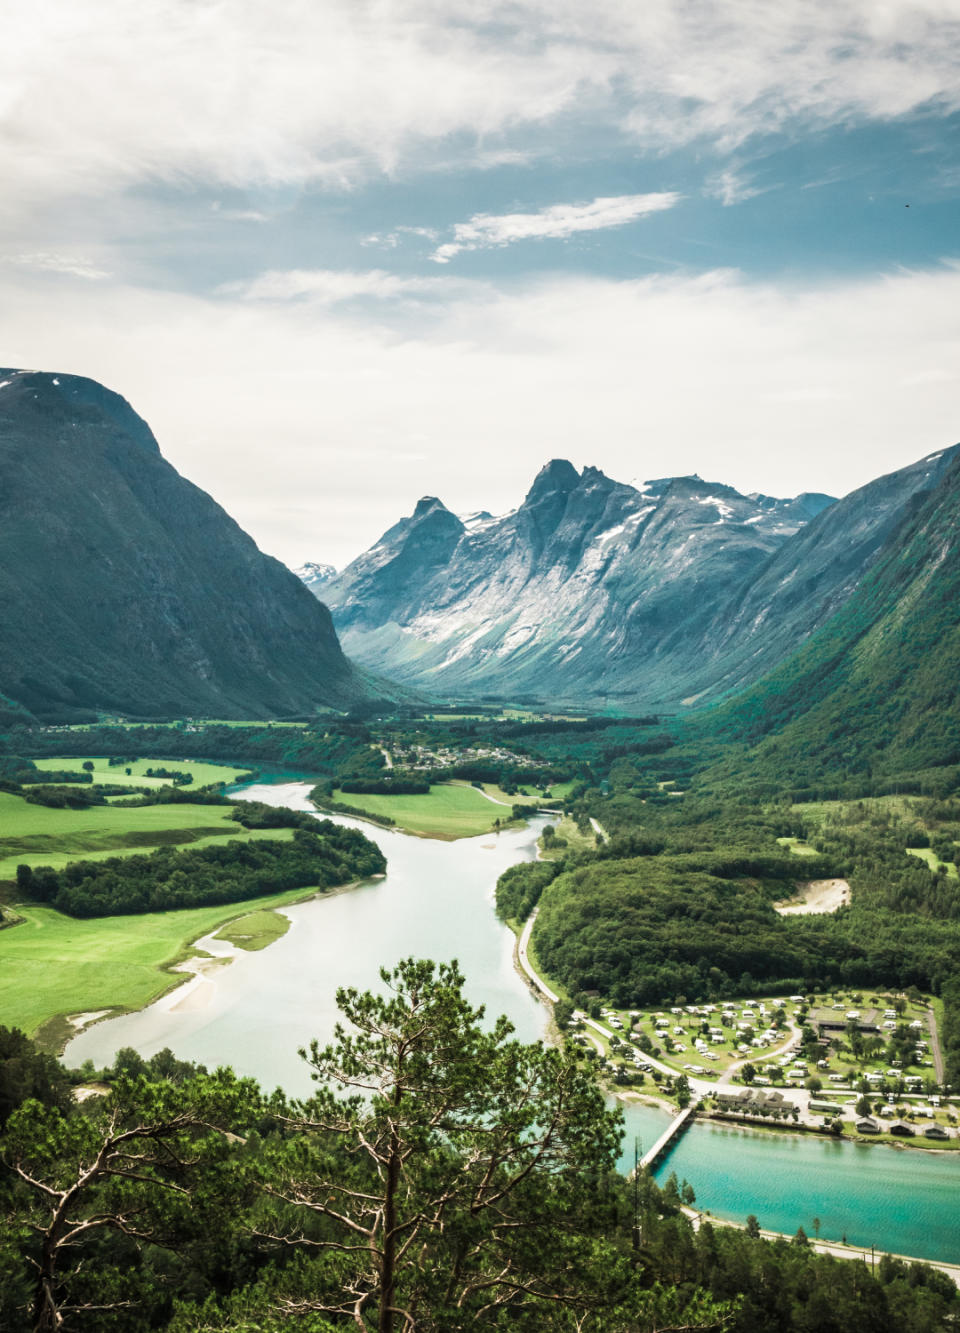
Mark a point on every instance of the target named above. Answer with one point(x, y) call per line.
point(342, 254)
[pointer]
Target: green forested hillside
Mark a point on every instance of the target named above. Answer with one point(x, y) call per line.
point(876, 692)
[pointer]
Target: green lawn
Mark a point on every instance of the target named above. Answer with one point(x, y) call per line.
point(256, 930)
point(52, 965)
point(798, 846)
point(449, 810)
point(203, 774)
point(39, 835)
point(929, 855)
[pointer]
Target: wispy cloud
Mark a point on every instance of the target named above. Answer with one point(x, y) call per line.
point(733, 187)
point(102, 95)
point(47, 261)
point(331, 286)
point(485, 231)
point(391, 239)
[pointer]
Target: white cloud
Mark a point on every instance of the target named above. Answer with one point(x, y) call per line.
point(391, 239)
point(329, 286)
point(47, 261)
point(100, 95)
point(316, 428)
point(557, 222)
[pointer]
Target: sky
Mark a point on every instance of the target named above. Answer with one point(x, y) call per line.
point(341, 254)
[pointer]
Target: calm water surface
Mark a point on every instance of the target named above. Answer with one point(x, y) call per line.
point(436, 901)
point(900, 1200)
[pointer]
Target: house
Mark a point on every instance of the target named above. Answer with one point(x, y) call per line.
point(867, 1126)
point(935, 1132)
point(822, 1108)
point(903, 1130)
point(750, 1102)
point(829, 1023)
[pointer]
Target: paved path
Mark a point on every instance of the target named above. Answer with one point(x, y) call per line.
point(524, 961)
point(935, 1047)
point(766, 1056)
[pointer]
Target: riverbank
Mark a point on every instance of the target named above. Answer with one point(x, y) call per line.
point(56, 967)
point(838, 1249)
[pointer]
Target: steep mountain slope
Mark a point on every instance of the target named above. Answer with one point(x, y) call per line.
point(876, 691)
point(123, 587)
point(807, 579)
point(594, 591)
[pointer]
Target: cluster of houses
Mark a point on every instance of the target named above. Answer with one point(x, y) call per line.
point(901, 1128)
point(426, 759)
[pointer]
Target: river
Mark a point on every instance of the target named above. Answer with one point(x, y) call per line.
point(436, 901)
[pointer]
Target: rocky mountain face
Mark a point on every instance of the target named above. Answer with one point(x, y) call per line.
point(315, 575)
point(125, 588)
point(596, 591)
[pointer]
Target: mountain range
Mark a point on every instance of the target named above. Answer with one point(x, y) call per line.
point(124, 588)
point(673, 592)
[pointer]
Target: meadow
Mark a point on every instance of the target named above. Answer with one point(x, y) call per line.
point(450, 810)
point(203, 774)
point(52, 966)
point(39, 835)
point(255, 930)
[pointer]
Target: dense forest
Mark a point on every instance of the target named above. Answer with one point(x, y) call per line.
point(323, 855)
point(470, 1186)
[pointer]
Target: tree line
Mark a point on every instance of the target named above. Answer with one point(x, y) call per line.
point(323, 855)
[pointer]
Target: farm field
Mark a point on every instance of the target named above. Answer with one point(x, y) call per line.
point(52, 965)
point(38, 835)
point(116, 774)
point(449, 810)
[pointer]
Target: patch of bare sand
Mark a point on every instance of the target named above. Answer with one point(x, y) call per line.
point(80, 1021)
point(817, 897)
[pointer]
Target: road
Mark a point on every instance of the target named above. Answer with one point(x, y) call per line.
point(935, 1047)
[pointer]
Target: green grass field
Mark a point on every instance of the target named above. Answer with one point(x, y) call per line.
point(929, 855)
point(52, 965)
point(575, 841)
point(203, 774)
point(798, 846)
point(256, 930)
point(450, 810)
point(39, 835)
